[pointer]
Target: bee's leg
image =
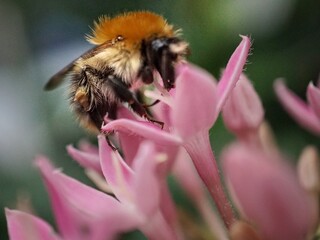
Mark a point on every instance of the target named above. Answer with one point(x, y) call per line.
point(166, 69)
point(159, 55)
point(89, 71)
point(99, 109)
point(140, 109)
point(126, 95)
point(97, 119)
point(97, 115)
point(110, 143)
point(151, 104)
point(111, 114)
point(139, 97)
point(146, 71)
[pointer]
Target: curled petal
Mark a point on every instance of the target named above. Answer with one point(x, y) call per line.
point(26, 226)
point(85, 159)
point(298, 109)
point(232, 72)
point(144, 129)
point(267, 192)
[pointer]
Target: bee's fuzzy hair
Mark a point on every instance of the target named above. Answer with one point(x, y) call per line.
point(133, 26)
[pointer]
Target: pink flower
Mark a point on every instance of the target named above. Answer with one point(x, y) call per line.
point(82, 212)
point(89, 158)
point(194, 107)
point(76, 216)
point(267, 193)
point(307, 114)
point(26, 226)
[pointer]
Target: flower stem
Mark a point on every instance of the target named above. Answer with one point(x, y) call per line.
point(202, 156)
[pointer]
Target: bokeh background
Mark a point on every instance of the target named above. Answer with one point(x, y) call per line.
point(37, 38)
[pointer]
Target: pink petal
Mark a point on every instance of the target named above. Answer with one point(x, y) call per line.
point(82, 212)
point(232, 72)
point(26, 226)
point(298, 109)
point(144, 129)
point(313, 95)
point(136, 131)
point(85, 159)
point(129, 143)
point(162, 112)
point(63, 215)
point(103, 214)
point(194, 102)
point(243, 111)
point(146, 182)
point(267, 192)
point(117, 173)
point(124, 112)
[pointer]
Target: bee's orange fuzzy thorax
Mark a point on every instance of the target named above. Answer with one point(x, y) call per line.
point(133, 26)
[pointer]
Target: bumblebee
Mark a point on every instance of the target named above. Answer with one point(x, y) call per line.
point(128, 50)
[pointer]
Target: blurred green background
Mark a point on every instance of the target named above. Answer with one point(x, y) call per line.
point(40, 37)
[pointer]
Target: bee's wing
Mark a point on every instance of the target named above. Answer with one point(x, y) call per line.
point(58, 78)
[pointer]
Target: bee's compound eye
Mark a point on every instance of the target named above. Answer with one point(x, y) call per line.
point(119, 38)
